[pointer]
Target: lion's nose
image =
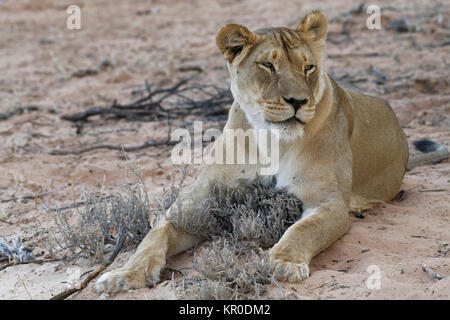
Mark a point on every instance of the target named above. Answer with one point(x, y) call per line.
point(296, 103)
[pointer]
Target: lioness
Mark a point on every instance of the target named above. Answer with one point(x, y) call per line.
point(340, 149)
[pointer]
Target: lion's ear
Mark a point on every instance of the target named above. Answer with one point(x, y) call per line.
point(232, 40)
point(314, 26)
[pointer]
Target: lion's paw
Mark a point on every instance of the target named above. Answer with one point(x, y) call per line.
point(289, 271)
point(122, 280)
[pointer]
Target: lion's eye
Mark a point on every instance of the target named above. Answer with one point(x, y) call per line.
point(309, 68)
point(268, 65)
point(236, 50)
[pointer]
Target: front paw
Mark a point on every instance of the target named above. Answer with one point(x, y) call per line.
point(123, 280)
point(289, 271)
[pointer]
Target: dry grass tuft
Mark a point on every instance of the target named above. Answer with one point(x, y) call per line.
point(259, 213)
point(170, 195)
point(234, 266)
point(101, 219)
point(227, 271)
point(16, 251)
point(238, 221)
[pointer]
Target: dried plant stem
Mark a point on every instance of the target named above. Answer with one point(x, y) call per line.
point(38, 261)
point(432, 273)
point(5, 221)
point(119, 245)
point(114, 147)
point(25, 197)
point(20, 110)
point(156, 104)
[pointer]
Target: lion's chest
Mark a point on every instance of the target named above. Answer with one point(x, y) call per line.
point(289, 170)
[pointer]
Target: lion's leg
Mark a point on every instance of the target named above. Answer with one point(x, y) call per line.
point(145, 265)
point(164, 239)
point(318, 229)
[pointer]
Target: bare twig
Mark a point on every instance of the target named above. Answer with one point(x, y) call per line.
point(442, 254)
point(26, 197)
point(432, 190)
point(358, 10)
point(432, 273)
point(354, 54)
point(114, 147)
point(77, 204)
point(38, 261)
point(162, 104)
point(20, 110)
point(156, 106)
point(439, 44)
point(119, 244)
point(5, 221)
point(425, 158)
point(380, 77)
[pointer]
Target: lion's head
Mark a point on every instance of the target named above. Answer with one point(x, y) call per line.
point(276, 72)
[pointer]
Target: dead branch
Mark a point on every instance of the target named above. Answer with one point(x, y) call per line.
point(75, 205)
point(380, 77)
point(402, 25)
point(104, 65)
point(26, 197)
point(159, 104)
point(432, 273)
point(162, 104)
point(83, 116)
point(442, 253)
point(425, 158)
point(358, 10)
point(38, 261)
point(432, 190)
point(20, 110)
point(7, 222)
point(438, 45)
point(121, 237)
point(114, 147)
point(355, 54)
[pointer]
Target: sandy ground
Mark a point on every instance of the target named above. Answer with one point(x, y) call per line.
point(152, 40)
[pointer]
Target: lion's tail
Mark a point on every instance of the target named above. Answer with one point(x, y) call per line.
point(431, 152)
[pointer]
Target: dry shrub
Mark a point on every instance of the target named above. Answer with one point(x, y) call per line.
point(101, 219)
point(227, 271)
point(259, 213)
point(170, 195)
point(240, 221)
point(15, 251)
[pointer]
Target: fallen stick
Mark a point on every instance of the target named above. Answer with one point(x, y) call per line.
point(83, 116)
point(432, 273)
point(119, 244)
point(156, 105)
point(432, 190)
point(38, 261)
point(27, 197)
point(75, 205)
point(7, 222)
point(354, 54)
point(20, 110)
point(425, 158)
point(114, 147)
point(441, 254)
